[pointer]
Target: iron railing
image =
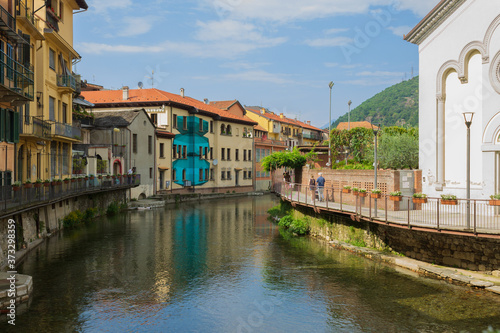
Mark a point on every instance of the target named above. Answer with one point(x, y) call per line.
point(25, 12)
point(67, 81)
point(7, 19)
point(16, 77)
point(36, 127)
point(435, 213)
point(66, 130)
point(14, 198)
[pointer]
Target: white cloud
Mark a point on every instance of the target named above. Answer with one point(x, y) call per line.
point(381, 74)
point(99, 48)
point(329, 42)
point(102, 6)
point(135, 26)
point(260, 76)
point(401, 30)
point(292, 10)
point(244, 65)
point(331, 64)
point(372, 82)
point(335, 31)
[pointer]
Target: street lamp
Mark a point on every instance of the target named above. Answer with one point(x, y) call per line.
point(349, 115)
point(375, 164)
point(331, 84)
point(468, 121)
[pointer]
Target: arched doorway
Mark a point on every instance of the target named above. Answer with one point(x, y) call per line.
point(117, 167)
point(20, 163)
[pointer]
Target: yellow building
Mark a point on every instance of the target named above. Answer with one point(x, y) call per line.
point(50, 133)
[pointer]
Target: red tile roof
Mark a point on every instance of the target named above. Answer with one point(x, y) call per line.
point(223, 105)
point(260, 128)
point(272, 116)
point(355, 124)
point(113, 98)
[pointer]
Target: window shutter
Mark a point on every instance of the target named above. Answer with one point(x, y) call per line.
point(8, 125)
point(27, 51)
point(2, 125)
point(15, 137)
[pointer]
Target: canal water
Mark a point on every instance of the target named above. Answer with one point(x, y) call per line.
point(220, 266)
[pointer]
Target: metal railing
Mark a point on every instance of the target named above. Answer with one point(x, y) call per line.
point(36, 127)
point(15, 76)
point(311, 136)
point(25, 12)
point(434, 213)
point(66, 130)
point(13, 198)
point(7, 19)
point(270, 142)
point(67, 81)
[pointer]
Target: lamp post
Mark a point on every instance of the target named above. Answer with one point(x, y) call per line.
point(375, 163)
point(468, 121)
point(349, 115)
point(331, 84)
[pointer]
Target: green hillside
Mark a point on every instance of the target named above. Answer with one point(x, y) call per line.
point(395, 106)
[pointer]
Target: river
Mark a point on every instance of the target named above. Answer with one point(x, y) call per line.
point(220, 266)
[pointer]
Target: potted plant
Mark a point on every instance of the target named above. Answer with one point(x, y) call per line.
point(108, 176)
point(73, 179)
point(59, 181)
point(53, 182)
point(362, 192)
point(46, 182)
point(396, 196)
point(27, 184)
point(80, 179)
point(449, 199)
point(66, 180)
point(495, 200)
point(346, 189)
point(100, 176)
point(91, 176)
point(376, 193)
point(38, 183)
point(355, 190)
point(419, 198)
point(16, 186)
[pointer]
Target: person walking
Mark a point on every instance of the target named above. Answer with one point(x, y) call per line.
point(312, 187)
point(321, 186)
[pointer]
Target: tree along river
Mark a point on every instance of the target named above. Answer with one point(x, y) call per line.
point(220, 266)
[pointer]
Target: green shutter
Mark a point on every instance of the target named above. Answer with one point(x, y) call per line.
point(2, 125)
point(8, 125)
point(15, 127)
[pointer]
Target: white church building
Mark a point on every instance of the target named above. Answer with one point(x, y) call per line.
point(459, 47)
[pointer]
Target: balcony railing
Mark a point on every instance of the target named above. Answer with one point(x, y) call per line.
point(16, 77)
point(7, 20)
point(270, 142)
point(66, 81)
point(66, 130)
point(24, 12)
point(13, 198)
point(52, 20)
point(311, 136)
point(36, 127)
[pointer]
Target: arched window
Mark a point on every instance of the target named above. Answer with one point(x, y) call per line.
point(228, 130)
point(222, 129)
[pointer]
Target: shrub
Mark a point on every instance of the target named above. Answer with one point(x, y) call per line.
point(448, 197)
point(362, 190)
point(286, 221)
point(495, 197)
point(376, 191)
point(396, 194)
point(73, 219)
point(89, 215)
point(347, 187)
point(113, 209)
point(419, 195)
point(300, 226)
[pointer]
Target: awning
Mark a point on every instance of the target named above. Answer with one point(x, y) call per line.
point(83, 102)
point(162, 168)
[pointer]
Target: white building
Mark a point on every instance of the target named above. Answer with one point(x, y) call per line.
point(459, 47)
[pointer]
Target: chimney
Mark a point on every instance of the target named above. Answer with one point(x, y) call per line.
point(282, 116)
point(182, 92)
point(262, 111)
point(308, 122)
point(206, 101)
point(125, 93)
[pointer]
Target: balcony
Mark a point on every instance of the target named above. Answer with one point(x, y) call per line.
point(52, 20)
point(66, 82)
point(312, 136)
point(268, 142)
point(8, 26)
point(26, 18)
point(16, 81)
point(25, 13)
point(66, 131)
point(36, 127)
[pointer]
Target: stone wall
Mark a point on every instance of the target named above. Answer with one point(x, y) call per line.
point(35, 224)
point(467, 252)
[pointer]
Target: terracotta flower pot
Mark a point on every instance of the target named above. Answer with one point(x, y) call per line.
point(28, 185)
point(38, 185)
point(376, 195)
point(494, 202)
point(346, 190)
point(16, 188)
point(363, 194)
point(449, 202)
point(396, 198)
point(420, 200)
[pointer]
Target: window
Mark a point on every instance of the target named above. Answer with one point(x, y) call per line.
point(174, 175)
point(207, 173)
point(134, 143)
point(52, 59)
point(151, 173)
point(9, 126)
point(52, 108)
point(61, 10)
point(229, 175)
point(162, 150)
point(184, 154)
point(244, 154)
point(150, 144)
point(237, 154)
point(184, 175)
point(222, 155)
point(206, 153)
point(228, 130)
point(201, 152)
point(174, 150)
point(211, 153)
point(212, 174)
point(249, 174)
point(223, 175)
point(201, 174)
point(244, 175)
point(229, 154)
point(64, 113)
point(174, 121)
point(249, 155)
point(201, 125)
point(222, 129)
point(211, 126)
point(154, 118)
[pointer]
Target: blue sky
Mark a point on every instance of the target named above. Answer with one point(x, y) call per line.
point(280, 54)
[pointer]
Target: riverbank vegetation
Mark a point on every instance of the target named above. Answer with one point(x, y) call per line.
point(283, 215)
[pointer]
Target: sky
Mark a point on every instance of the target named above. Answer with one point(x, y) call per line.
point(279, 54)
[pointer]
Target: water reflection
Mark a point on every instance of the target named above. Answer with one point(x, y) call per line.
point(220, 266)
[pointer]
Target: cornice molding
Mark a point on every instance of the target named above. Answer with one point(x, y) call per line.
point(433, 20)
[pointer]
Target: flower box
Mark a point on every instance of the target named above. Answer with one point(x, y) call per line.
point(73, 180)
point(46, 184)
point(66, 181)
point(38, 185)
point(420, 200)
point(346, 190)
point(376, 195)
point(396, 198)
point(91, 177)
point(494, 202)
point(449, 202)
point(362, 194)
point(29, 185)
point(16, 188)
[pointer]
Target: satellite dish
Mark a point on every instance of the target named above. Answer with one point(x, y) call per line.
point(140, 85)
point(215, 162)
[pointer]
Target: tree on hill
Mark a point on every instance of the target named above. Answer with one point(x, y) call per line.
point(395, 106)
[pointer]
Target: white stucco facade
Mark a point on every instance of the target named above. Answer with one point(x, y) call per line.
point(459, 48)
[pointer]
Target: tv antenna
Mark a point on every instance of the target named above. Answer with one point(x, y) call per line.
point(152, 78)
